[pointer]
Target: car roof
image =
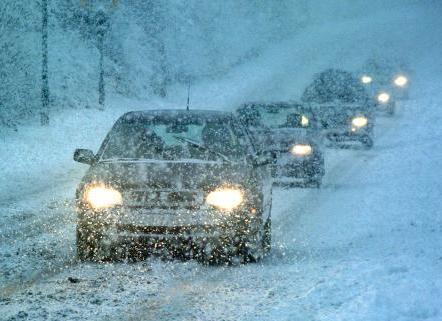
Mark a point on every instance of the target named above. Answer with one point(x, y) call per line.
point(280, 104)
point(210, 115)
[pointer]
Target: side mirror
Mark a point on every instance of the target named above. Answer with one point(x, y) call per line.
point(85, 156)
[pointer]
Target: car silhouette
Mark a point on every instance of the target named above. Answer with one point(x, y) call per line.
point(342, 106)
point(187, 183)
point(289, 132)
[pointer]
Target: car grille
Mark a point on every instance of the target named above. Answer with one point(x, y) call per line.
point(163, 199)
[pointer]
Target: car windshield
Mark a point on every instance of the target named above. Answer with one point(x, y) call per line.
point(166, 139)
point(282, 117)
point(335, 85)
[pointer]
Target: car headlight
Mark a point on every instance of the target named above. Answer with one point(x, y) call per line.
point(304, 121)
point(400, 81)
point(301, 150)
point(359, 121)
point(383, 97)
point(225, 198)
point(100, 197)
point(365, 79)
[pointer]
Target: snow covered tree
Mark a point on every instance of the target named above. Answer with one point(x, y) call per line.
point(18, 75)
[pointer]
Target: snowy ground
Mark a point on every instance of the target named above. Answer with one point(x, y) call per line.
point(367, 246)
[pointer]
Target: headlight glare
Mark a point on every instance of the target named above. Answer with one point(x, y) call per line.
point(301, 150)
point(304, 121)
point(101, 197)
point(359, 121)
point(225, 198)
point(383, 97)
point(365, 79)
point(400, 81)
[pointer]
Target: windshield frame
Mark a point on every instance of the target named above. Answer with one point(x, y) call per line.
point(168, 118)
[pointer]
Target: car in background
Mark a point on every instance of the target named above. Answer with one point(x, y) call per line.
point(382, 75)
point(384, 101)
point(186, 182)
point(342, 107)
point(287, 131)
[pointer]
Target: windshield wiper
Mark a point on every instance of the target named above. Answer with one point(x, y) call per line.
point(196, 144)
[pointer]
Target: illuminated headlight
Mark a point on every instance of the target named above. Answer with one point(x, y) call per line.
point(225, 198)
point(101, 197)
point(366, 79)
point(304, 121)
point(383, 98)
point(400, 81)
point(301, 150)
point(359, 122)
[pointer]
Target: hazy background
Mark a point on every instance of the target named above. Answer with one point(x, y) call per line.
point(152, 46)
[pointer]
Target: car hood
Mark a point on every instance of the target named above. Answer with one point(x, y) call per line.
point(154, 174)
point(337, 114)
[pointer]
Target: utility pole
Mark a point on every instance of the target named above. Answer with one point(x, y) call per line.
point(101, 23)
point(44, 113)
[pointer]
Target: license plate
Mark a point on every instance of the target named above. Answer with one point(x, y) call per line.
point(163, 199)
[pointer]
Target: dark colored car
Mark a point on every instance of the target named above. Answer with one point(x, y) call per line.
point(382, 75)
point(342, 107)
point(291, 136)
point(189, 182)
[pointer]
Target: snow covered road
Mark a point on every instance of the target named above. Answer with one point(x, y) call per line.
point(366, 246)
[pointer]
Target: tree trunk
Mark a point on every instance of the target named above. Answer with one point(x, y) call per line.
point(44, 114)
point(101, 92)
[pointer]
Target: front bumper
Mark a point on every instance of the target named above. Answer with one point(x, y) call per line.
point(291, 168)
point(387, 108)
point(121, 224)
point(348, 134)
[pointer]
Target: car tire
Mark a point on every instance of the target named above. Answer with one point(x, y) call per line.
point(87, 244)
point(391, 110)
point(220, 255)
point(252, 248)
point(314, 183)
point(367, 141)
point(90, 245)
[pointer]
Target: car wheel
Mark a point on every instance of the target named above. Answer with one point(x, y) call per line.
point(87, 244)
point(367, 141)
point(218, 255)
point(251, 249)
point(391, 110)
point(314, 183)
point(90, 245)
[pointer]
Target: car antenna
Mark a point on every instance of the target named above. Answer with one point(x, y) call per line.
point(188, 96)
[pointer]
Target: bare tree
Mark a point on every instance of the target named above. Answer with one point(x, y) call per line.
point(101, 21)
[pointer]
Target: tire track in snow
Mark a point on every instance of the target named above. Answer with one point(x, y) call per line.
point(186, 296)
point(37, 247)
